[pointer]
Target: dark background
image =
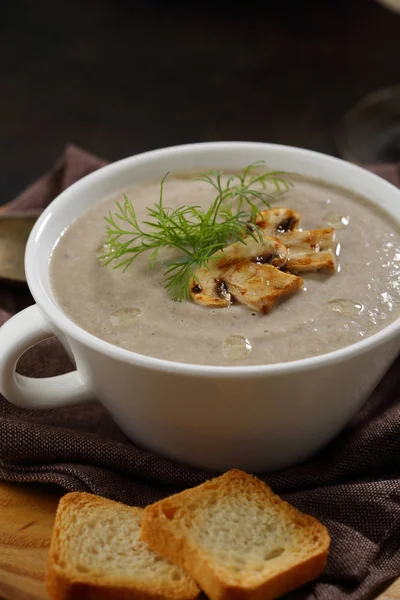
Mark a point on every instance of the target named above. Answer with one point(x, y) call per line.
point(119, 77)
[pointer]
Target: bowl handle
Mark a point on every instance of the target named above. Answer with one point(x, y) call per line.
point(23, 330)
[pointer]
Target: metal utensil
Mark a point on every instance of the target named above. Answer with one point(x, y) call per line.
point(14, 232)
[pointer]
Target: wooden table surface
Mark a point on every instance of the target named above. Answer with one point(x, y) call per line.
point(27, 514)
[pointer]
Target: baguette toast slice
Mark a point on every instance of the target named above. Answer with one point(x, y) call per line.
point(237, 539)
point(96, 554)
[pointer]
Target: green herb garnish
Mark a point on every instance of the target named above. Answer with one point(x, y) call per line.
point(195, 232)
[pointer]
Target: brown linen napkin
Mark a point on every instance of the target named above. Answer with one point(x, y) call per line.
point(353, 485)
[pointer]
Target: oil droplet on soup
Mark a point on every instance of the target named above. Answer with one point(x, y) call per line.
point(337, 221)
point(124, 317)
point(236, 347)
point(102, 250)
point(346, 307)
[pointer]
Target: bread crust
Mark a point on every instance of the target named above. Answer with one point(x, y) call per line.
point(158, 531)
point(63, 583)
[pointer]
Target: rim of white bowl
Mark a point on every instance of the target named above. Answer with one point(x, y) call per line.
point(49, 306)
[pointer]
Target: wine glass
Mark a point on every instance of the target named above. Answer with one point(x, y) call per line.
point(391, 4)
point(370, 131)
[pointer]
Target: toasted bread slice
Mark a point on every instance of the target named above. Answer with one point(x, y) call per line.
point(96, 554)
point(237, 539)
point(247, 271)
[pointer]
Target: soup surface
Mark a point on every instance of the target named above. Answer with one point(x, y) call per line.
point(132, 309)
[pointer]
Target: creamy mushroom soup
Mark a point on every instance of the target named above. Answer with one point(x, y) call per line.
point(133, 310)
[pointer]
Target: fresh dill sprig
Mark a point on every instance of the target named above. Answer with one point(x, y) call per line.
point(195, 232)
point(240, 187)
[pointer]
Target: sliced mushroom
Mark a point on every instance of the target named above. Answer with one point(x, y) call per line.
point(248, 271)
point(260, 286)
point(209, 289)
point(310, 250)
point(278, 220)
point(268, 250)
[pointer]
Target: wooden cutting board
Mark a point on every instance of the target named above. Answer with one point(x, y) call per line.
point(27, 514)
point(26, 520)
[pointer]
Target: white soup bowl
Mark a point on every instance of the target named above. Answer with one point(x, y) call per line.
point(257, 418)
